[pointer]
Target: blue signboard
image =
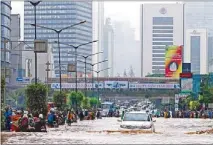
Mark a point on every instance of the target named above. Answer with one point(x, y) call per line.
point(19, 79)
point(196, 84)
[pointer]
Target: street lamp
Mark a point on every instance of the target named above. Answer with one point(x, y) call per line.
point(98, 78)
point(85, 71)
point(34, 4)
point(58, 32)
point(92, 69)
point(76, 47)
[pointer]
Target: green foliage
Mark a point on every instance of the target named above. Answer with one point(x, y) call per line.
point(193, 105)
point(79, 98)
point(93, 101)
point(59, 98)
point(73, 98)
point(14, 96)
point(36, 98)
point(85, 103)
point(206, 91)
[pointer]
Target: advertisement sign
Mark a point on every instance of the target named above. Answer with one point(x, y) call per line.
point(72, 85)
point(186, 67)
point(116, 84)
point(186, 85)
point(153, 86)
point(97, 85)
point(173, 61)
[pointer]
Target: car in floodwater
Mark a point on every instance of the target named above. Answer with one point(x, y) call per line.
point(138, 120)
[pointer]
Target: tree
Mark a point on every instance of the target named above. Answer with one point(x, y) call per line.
point(59, 98)
point(124, 74)
point(206, 95)
point(73, 98)
point(79, 98)
point(85, 103)
point(131, 72)
point(93, 102)
point(193, 105)
point(36, 98)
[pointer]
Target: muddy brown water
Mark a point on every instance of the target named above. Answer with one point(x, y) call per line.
point(108, 131)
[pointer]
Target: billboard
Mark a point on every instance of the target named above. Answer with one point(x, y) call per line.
point(116, 84)
point(72, 85)
point(173, 61)
point(153, 86)
point(186, 85)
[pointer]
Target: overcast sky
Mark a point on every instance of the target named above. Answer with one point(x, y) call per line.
point(122, 10)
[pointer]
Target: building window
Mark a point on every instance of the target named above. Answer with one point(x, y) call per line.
point(162, 35)
point(158, 59)
point(162, 39)
point(162, 31)
point(159, 47)
point(158, 51)
point(162, 43)
point(195, 54)
point(158, 55)
point(158, 63)
point(158, 67)
point(162, 20)
point(162, 27)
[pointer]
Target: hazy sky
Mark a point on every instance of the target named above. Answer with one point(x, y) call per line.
point(123, 10)
point(114, 10)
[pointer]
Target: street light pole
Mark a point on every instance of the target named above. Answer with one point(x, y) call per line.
point(98, 78)
point(34, 4)
point(92, 72)
point(76, 54)
point(58, 33)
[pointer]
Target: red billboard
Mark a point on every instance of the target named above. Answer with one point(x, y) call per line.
point(173, 61)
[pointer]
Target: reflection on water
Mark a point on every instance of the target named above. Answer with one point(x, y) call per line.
point(107, 131)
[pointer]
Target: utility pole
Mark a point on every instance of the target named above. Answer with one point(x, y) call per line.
point(47, 70)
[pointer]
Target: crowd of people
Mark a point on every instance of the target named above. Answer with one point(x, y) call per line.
point(25, 121)
point(208, 113)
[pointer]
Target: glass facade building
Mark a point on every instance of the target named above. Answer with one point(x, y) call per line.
point(58, 15)
point(5, 35)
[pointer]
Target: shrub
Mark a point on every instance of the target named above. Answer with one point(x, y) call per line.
point(59, 98)
point(36, 98)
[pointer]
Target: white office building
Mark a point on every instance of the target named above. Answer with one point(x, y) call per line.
point(28, 62)
point(199, 15)
point(196, 50)
point(161, 25)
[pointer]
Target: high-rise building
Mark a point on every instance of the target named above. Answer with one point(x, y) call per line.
point(58, 15)
point(28, 63)
point(16, 53)
point(5, 38)
point(196, 50)
point(98, 28)
point(161, 25)
point(126, 49)
point(210, 52)
point(199, 15)
point(108, 49)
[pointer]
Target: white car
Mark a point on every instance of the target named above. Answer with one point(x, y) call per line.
point(138, 120)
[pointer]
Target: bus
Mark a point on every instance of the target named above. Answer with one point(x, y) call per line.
point(105, 106)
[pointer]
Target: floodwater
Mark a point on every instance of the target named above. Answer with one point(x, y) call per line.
point(108, 131)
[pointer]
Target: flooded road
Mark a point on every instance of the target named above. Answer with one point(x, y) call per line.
point(108, 131)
